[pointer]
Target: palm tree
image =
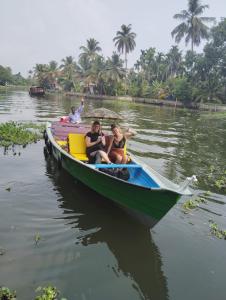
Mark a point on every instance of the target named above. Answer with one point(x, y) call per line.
point(41, 74)
point(113, 70)
point(71, 71)
point(125, 41)
point(174, 60)
point(192, 27)
point(90, 51)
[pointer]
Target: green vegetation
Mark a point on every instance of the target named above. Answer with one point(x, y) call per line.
point(194, 203)
point(125, 41)
point(6, 294)
point(12, 133)
point(7, 78)
point(46, 293)
point(217, 178)
point(219, 233)
point(193, 27)
point(189, 77)
point(37, 238)
point(192, 77)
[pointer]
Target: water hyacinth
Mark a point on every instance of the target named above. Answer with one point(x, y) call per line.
point(12, 133)
point(6, 294)
point(48, 293)
point(214, 230)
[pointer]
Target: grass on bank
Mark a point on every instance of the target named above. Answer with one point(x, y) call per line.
point(12, 133)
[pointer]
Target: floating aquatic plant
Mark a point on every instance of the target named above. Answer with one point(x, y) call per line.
point(193, 203)
point(37, 238)
point(189, 204)
point(219, 233)
point(12, 133)
point(216, 178)
point(48, 293)
point(6, 294)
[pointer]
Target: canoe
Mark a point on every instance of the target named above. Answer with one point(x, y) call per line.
point(146, 191)
point(36, 91)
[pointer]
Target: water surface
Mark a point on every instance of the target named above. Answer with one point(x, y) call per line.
point(91, 249)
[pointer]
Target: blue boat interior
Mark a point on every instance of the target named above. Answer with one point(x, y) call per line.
point(138, 175)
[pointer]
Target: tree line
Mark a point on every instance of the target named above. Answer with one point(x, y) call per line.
point(7, 77)
point(197, 77)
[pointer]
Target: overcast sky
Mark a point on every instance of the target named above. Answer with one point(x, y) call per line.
point(37, 31)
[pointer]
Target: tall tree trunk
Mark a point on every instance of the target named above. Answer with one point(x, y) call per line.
point(126, 86)
point(126, 60)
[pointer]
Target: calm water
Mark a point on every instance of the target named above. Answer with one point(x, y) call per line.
point(91, 249)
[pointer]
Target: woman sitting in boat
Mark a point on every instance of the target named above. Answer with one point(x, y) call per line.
point(95, 144)
point(117, 143)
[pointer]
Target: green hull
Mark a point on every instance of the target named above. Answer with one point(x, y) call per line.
point(153, 203)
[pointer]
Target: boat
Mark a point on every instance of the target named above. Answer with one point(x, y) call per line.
point(36, 91)
point(146, 192)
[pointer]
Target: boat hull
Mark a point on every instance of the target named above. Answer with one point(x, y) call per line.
point(154, 203)
point(36, 91)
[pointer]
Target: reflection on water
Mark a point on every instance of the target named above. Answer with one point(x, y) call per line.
point(99, 221)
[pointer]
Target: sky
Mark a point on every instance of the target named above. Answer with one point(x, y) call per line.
point(38, 31)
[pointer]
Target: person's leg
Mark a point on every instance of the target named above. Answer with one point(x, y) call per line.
point(98, 158)
point(104, 156)
point(118, 158)
point(92, 157)
point(124, 159)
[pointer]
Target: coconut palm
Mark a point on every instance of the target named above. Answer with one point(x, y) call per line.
point(192, 27)
point(113, 70)
point(174, 60)
point(90, 51)
point(125, 41)
point(41, 74)
point(70, 72)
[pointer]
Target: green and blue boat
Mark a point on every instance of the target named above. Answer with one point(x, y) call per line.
point(146, 192)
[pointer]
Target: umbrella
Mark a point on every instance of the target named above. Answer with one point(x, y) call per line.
point(102, 113)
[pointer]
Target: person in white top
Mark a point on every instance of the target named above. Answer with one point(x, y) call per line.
point(75, 115)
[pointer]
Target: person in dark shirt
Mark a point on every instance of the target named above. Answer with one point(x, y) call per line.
point(95, 144)
point(117, 143)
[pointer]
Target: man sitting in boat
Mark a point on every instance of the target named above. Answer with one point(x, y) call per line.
point(116, 148)
point(75, 115)
point(95, 144)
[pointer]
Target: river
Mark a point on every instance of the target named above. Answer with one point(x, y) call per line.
point(88, 247)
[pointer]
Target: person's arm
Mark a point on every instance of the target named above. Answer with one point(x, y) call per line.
point(110, 144)
point(89, 143)
point(81, 107)
point(129, 133)
point(103, 140)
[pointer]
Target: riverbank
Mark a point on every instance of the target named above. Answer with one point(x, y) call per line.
point(157, 102)
point(6, 88)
